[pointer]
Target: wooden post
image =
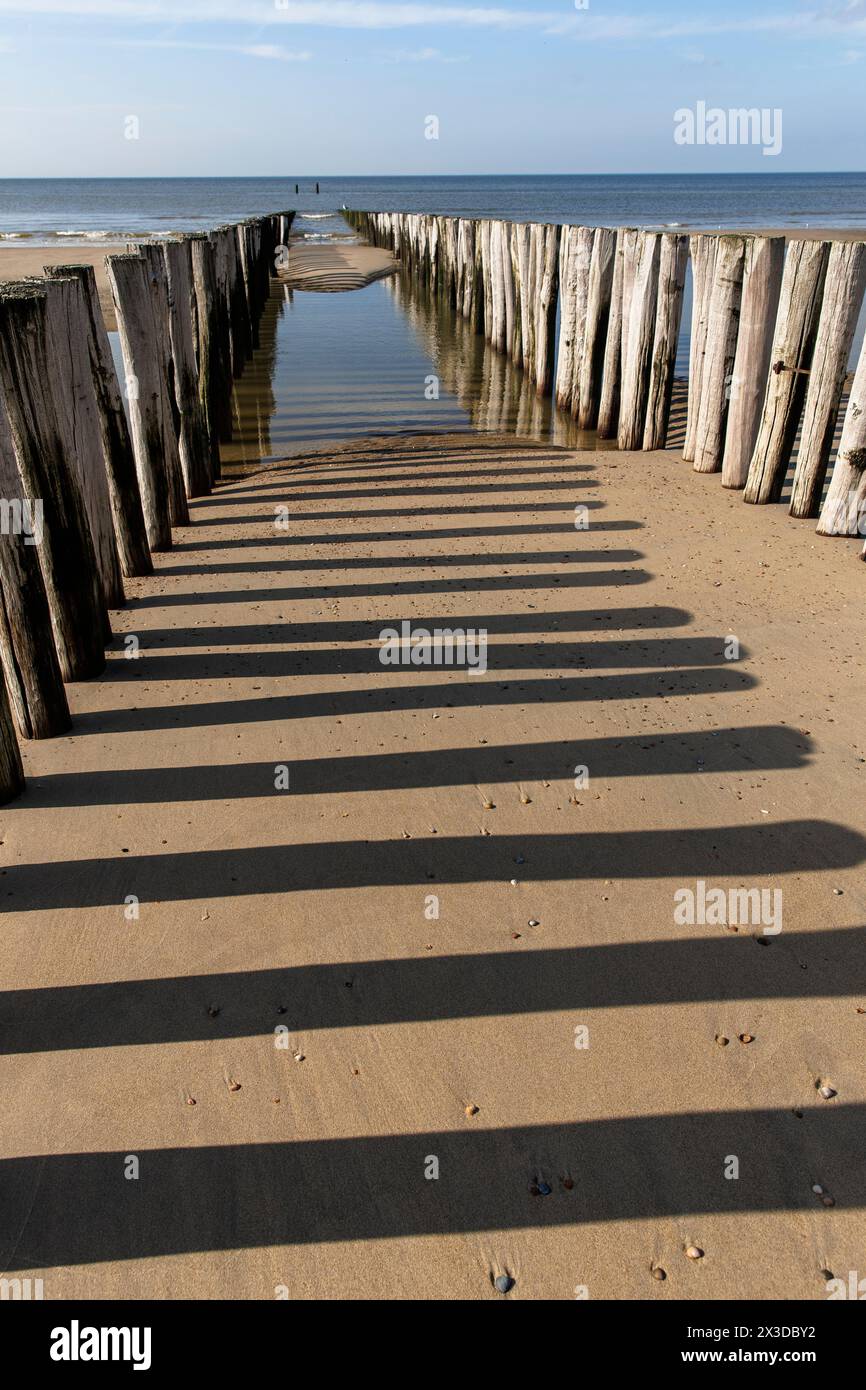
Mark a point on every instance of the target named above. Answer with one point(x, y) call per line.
point(27, 651)
point(791, 357)
point(524, 253)
point(703, 253)
point(840, 310)
point(11, 766)
point(587, 395)
point(194, 442)
point(844, 510)
point(673, 258)
point(608, 410)
point(78, 613)
point(117, 451)
point(78, 417)
point(142, 359)
point(762, 283)
point(496, 271)
point(721, 350)
point(153, 257)
point(208, 351)
point(575, 258)
point(639, 338)
point(547, 288)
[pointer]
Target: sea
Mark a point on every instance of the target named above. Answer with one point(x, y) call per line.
point(385, 359)
point(48, 210)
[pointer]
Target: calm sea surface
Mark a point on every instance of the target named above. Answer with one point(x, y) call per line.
point(47, 209)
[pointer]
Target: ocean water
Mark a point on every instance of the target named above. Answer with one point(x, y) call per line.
point(49, 210)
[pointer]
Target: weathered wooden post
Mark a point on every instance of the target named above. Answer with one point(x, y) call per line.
point(608, 410)
point(673, 259)
point(575, 258)
point(639, 338)
point(721, 350)
point(703, 251)
point(11, 766)
point(763, 268)
point(546, 284)
point(840, 309)
point(27, 651)
point(844, 510)
point(153, 257)
point(791, 358)
point(208, 348)
point(588, 381)
point(78, 420)
point(152, 434)
point(79, 616)
point(194, 443)
point(117, 451)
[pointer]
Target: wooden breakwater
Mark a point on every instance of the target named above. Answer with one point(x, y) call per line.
point(89, 488)
point(772, 327)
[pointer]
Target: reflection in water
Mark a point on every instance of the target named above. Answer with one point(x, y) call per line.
point(336, 367)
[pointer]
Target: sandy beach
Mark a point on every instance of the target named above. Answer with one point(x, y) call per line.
point(577, 1068)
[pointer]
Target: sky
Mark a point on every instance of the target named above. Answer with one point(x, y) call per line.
point(114, 88)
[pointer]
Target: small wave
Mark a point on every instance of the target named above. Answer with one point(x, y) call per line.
point(15, 236)
point(316, 216)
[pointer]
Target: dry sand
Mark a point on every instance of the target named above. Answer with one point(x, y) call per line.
point(450, 1038)
point(17, 262)
point(332, 266)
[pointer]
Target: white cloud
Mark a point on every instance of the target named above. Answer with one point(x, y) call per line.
point(425, 55)
point(824, 20)
point(273, 51)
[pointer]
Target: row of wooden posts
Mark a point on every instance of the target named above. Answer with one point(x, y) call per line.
point(90, 489)
point(773, 323)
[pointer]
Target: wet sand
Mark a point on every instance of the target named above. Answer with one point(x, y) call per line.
point(418, 1042)
point(334, 266)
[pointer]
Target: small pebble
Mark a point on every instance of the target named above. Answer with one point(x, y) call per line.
point(568, 1184)
point(470, 1111)
point(213, 1010)
point(818, 1189)
point(838, 892)
point(659, 1274)
point(299, 1057)
point(514, 883)
point(190, 1100)
point(746, 1038)
point(721, 1040)
point(534, 922)
point(828, 1093)
point(828, 1201)
point(544, 1190)
point(694, 1253)
point(234, 1085)
point(504, 1283)
point(520, 859)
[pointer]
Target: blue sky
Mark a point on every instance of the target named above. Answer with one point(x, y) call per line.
point(344, 86)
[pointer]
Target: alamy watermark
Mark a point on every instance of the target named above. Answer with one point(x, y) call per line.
point(443, 646)
point(22, 516)
point(734, 907)
point(713, 125)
